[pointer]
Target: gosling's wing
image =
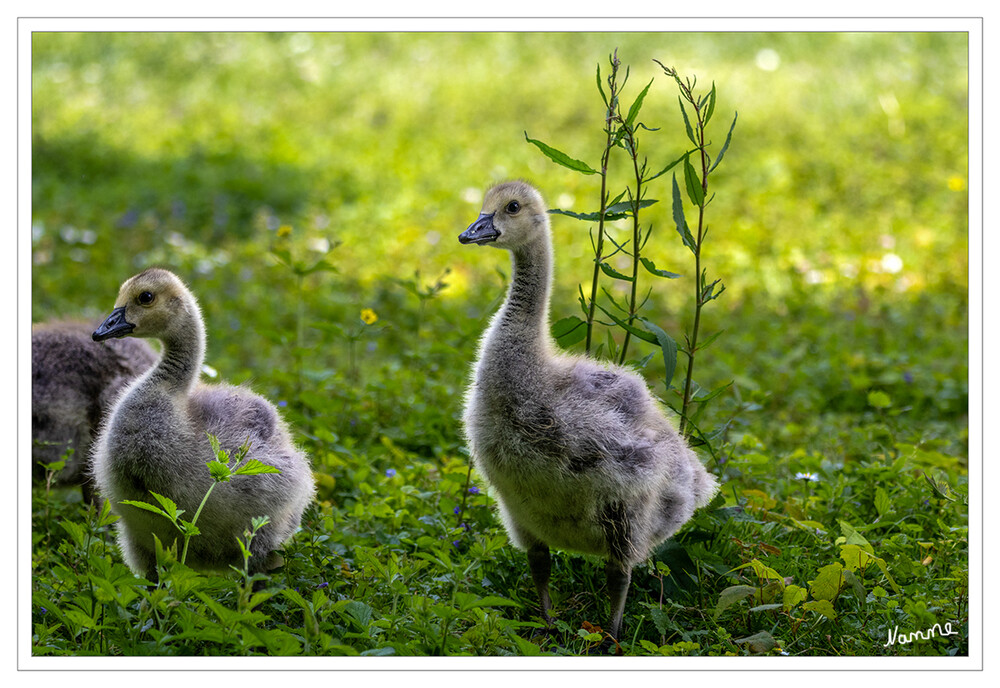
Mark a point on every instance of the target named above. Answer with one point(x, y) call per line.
point(234, 415)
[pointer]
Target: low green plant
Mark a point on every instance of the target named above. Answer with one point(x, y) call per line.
point(222, 472)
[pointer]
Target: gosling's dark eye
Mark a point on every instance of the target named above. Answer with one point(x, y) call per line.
point(146, 298)
point(513, 207)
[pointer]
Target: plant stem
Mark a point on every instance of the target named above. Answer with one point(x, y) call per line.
point(194, 521)
point(699, 281)
point(608, 145)
point(633, 149)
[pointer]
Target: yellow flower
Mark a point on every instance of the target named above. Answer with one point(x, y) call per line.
point(284, 230)
point(368, 316)
point(956, 183)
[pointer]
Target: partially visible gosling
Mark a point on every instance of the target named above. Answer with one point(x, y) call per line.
point(74, 383)
point(580, 455)
point(155, 440)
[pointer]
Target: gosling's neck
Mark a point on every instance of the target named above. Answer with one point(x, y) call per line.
point(522, 324)
point(183, 355)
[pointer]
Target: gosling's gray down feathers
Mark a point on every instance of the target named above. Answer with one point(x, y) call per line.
point(155, 440)
point(578, 452)
point(74, 383)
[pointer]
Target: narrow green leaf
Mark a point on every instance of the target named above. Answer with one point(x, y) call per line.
point(600, 88)
point(725, 146)
point(711, 105)
point(627, 206)
point(693, 183)
point(707, 342)
point(145, 506)
point(611, 272)
point(561, 158)
point(633, 111)
point(687, 122)
point(636, 332)
point(651, 267)
point(670, 166)
point(568, 331)
point(669, 348)
point(679, 221)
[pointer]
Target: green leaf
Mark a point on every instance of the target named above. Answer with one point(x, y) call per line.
point(731, 596)
point(633, 111)
point(694, 190)
point(568, 331)
point(679, 221)
point(824, 607)
point(878, 399)
point(711, 105)
point(671, 165)
point(600, 88)
point(856, 586)
point(827, 583)
point(636, 332)
point(652, 269)
point(687, 122)
point(792, 596)
point(882, 503)
point(669, 348)
point(255, 467)
point(220, 471)
point(145, 506)
point(611, 272)
point(725, 146)
point(561, 158)
point(625, 207)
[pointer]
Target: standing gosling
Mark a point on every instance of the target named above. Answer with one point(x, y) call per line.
point(155, 440)
point(579, 454)
point(74, 384)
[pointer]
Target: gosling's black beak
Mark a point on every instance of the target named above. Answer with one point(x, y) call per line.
point(113, 326)
point(481, 231)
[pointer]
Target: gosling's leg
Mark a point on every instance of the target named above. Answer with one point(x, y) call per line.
point(619, 576)
point(540, 564)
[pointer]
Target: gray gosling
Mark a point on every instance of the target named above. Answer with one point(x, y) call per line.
point(74, 384)
point(154, 440)
point(579, 454)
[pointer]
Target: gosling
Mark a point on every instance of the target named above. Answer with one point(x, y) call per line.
point(579, 454)
point(74, 384)
point(155, 440)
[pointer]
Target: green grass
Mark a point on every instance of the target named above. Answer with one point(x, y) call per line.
point(189, 151)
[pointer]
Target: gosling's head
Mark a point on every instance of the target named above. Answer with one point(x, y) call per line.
point(154, 303)
point(513, 215)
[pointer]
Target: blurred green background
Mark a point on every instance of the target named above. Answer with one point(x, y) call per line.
point(843, 193)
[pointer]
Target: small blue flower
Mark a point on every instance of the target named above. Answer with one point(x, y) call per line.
point(908, 376)
point(282, 403)
point(322, 585)
point(389, 472)
point(457, 510)
point(454, 543)
point(44, 610)
point(473, 490)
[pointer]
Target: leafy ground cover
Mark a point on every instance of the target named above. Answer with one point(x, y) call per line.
point(309, 188)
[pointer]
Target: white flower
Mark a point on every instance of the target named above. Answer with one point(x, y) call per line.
point(811, 477)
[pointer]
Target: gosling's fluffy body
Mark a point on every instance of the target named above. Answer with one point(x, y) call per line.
point(578, 452)
point(155, 440)
point(74, 384)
